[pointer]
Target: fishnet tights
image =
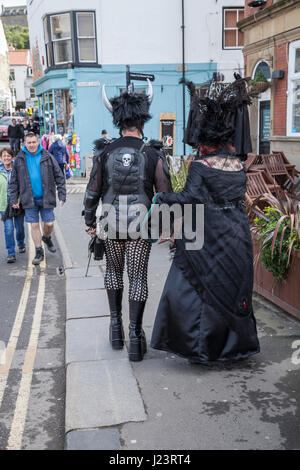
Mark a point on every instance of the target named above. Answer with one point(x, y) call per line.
point(137, 254)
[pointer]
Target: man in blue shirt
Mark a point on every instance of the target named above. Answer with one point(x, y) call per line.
point(35, 177)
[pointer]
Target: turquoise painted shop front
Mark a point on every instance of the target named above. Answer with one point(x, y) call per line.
point(90, 115)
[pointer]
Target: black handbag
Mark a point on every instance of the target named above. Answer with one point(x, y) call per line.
point(96, 246)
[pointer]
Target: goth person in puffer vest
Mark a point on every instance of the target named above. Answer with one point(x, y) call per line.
point(125, 173)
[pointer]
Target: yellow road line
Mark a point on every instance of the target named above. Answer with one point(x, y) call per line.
point(18, 424)
point(15, 333)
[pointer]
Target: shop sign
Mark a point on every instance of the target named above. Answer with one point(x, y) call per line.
point(88, 84)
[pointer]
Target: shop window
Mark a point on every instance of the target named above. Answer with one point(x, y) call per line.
point(293, 106)
point(70, 38)
point(232, 37)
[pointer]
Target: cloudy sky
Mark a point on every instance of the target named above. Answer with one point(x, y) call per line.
point(12, 3)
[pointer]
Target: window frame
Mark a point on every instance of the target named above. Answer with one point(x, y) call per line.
point(85, 37)
point(12, 73)
point(228, 48)
point(292, 76)
point(49, 47)
point(61, 39)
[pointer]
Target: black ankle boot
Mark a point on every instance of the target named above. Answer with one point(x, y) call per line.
point(137, 345)
point(116, 331)
point(39, 256)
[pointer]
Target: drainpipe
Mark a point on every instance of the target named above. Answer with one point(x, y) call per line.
point(183, 70)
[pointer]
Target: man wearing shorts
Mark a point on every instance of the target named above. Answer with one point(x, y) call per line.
point(35, 177)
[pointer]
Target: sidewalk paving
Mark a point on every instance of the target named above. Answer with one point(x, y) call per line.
point(164, 402)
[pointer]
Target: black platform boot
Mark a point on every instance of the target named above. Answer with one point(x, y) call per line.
point(137, 345)
point(116, 331)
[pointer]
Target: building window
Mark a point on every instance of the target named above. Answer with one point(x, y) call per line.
point(232, 37)
point(70, 38)
point(264, 68)
point(293, 107)
point(12, 76)
point(202, 90)
point(61, 38)
point(86, 37)
point(32, 93)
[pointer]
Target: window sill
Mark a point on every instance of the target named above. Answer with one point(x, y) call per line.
point(73, 66)
point(285, 138)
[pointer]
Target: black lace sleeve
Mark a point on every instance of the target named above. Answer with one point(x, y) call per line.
point(191, 192)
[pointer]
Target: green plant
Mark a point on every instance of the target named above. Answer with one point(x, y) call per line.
point(278, 230)
point(259, 77)
point(178, 178)
point(17, 35)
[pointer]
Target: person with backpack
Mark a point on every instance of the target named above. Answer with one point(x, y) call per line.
point(126, 168)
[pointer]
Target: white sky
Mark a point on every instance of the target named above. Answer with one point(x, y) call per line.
point(12, 3)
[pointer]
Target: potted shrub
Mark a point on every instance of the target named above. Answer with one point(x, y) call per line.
point(276, 237)
point(259, 84)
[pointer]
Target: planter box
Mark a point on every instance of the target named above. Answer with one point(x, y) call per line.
point(259, 87)
point(284, 294)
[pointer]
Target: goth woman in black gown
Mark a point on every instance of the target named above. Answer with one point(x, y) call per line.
point(205, 312)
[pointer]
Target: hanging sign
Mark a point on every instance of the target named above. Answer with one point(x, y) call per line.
point(167, 132)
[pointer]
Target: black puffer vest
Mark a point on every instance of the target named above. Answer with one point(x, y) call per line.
point(126, 179)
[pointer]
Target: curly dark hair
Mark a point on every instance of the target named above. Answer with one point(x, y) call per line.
point(130, 110)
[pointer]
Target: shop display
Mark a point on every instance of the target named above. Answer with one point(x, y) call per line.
point(73, 146)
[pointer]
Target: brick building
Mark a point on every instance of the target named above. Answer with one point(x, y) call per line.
point(272, 45)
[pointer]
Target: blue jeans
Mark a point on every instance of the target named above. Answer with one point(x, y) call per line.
point(9, 231)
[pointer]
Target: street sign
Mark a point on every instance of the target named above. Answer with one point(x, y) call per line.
point(141, 76)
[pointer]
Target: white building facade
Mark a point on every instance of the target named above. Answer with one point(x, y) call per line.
point(5, 97)
point(21, 78)
point(77, 49)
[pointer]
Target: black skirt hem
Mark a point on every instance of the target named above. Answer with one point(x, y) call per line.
point(205, 361)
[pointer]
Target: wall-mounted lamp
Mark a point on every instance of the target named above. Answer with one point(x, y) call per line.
point(278, 74)
point(257, 3)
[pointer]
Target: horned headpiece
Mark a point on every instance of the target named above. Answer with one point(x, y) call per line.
point(129, 109)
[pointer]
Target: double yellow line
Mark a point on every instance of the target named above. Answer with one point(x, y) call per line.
point(18, 423)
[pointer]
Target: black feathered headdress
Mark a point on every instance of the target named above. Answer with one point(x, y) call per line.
point(212, 118)
point(129, 109)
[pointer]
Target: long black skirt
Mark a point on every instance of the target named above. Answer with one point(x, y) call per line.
point(190, 327)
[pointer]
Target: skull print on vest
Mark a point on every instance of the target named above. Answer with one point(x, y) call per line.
point(126, 169)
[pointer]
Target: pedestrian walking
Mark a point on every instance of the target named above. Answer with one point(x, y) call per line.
point(13, 219)
point(14, 135)
point(59, 151)
point(205, 312)
point(22, 133)
point(126, 168)
point(35, 177)
point(33, 127)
